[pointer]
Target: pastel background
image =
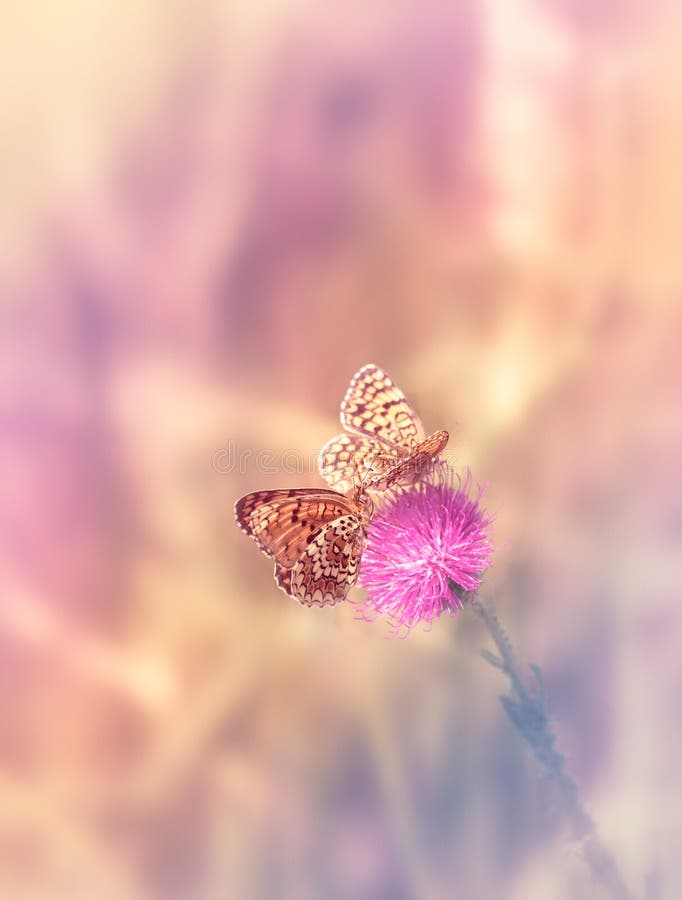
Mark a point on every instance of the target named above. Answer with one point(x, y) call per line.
point(212, 214)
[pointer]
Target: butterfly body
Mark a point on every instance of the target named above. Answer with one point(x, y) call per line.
point(386, 471)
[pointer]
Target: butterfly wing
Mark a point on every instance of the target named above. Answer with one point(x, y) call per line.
point(328, 568)
point(375, 407)
point(283, 522)
point(408, 470)
point(283, 578)
point(351, 459)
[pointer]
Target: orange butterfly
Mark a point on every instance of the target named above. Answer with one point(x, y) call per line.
point(314, 535)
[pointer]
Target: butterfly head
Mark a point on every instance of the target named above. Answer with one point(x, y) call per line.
point(364, 503)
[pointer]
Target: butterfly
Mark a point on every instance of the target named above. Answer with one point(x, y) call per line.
point(314, 535)
point(384, 443)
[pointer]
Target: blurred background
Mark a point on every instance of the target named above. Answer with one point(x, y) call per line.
point(214, 213)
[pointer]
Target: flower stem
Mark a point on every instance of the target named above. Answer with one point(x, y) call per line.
point(527, 711)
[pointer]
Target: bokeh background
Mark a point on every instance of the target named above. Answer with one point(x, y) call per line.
point(212, 214)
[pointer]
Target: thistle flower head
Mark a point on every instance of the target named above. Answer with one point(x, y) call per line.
point(426, 547)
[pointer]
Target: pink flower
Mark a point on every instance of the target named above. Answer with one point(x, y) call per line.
point(427, 547)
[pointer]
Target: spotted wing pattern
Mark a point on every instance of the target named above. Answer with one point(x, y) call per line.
point(281, 521)
point(314, 535)
point(385, 443)
point(350, 459)
point(375, 406)
point(329, 567)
